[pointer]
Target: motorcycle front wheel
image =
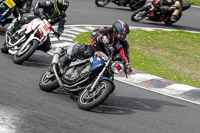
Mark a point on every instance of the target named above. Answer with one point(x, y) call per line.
point(48, 81)
point(90, 99)
point(102, 3)
point(24, 53)
point(139, 15)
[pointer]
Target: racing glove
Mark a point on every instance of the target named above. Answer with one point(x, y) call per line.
point(56, 33)
point(128, 69)
point(103, 39)
point(36, 12)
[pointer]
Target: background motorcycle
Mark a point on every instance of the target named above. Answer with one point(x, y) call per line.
point(133, 4)
point(153, 12)
point(6, 9)
point(25, 41)
point(92, 78)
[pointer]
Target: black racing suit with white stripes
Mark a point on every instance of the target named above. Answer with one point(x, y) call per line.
point(48, 13)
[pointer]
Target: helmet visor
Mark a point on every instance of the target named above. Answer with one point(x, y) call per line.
point(121, 36)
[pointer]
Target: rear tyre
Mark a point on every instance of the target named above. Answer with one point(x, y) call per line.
point(88, 100)
point(48, 81)
point(139, 15)
point(4, 48)
point(24, 53)
point(102, 3)
point(169, 22)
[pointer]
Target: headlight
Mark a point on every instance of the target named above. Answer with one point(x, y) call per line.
point(117, 67)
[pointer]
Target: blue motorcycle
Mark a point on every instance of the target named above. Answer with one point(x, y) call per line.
point(91, 79)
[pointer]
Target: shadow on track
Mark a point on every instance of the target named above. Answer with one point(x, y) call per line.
point(119, 105)
point(39, 61)
point(126, 105)
point(118, 8)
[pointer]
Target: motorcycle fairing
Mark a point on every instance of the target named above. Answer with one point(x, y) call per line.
point(32, 25)
point(96, 62)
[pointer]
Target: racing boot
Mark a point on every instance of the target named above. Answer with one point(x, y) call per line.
point(173, 18)
point(64, 61)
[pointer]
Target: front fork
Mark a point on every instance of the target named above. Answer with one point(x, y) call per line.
point(100, 75)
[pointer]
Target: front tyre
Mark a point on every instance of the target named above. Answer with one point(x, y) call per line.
point(139, 14)
point(24, 53)
point(102, 3)
point(48, 81)
point(88, 100)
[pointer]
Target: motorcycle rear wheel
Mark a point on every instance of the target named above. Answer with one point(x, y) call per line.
point(102, 3)
point(88, 100)
point(48, 81)
point(25, 53)
point(169, 22)
point(139, 15)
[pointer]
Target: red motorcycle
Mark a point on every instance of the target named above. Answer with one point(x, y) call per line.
point(154, 11)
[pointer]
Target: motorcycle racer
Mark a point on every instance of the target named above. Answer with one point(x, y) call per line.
point(101, 38)
point(54, 11)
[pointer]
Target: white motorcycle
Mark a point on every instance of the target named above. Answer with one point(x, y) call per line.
point(25, 41)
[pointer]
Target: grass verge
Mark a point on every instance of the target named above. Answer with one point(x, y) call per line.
point(193, 2)
point(171, 55)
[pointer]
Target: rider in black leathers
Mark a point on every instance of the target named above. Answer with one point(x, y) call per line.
point(102, 37)
point(54, 11)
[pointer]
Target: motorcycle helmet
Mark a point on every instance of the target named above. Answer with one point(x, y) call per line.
point(120, 30)
point(60, 6)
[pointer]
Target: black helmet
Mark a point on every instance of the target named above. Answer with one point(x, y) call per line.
point(120, 30)
point(60, 6)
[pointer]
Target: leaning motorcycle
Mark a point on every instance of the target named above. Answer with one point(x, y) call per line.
point(133, 4)
point(25, 41)
point(153, 12)
point(91, 79)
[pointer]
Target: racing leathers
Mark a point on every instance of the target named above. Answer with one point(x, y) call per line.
point(47, 13)
point(101, 37)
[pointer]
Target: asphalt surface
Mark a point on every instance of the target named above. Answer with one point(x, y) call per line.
point(24, 108)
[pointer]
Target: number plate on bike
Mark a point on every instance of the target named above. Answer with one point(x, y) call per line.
point(45, 27)
point(10, 3)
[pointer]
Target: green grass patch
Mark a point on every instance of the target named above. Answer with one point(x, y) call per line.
point(193, 2)
point(171, 55)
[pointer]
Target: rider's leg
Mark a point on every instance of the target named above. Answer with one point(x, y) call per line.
point(177, 9)
point(75, 51)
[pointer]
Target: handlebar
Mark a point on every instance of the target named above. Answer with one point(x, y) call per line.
point(55, 33)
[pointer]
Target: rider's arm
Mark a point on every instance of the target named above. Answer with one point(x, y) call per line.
point(99, 32)
point(126, 49)
point(38, 5)
point(61, 24)
point(28, 6)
